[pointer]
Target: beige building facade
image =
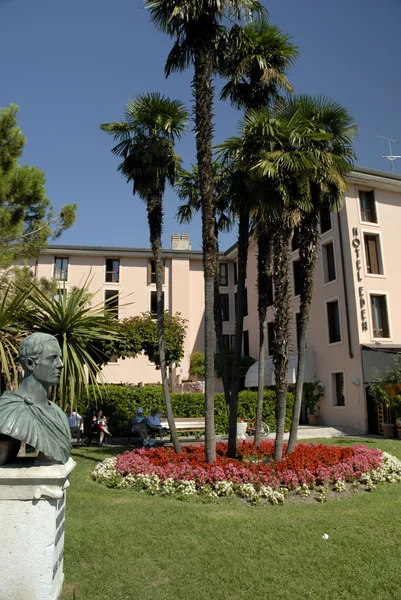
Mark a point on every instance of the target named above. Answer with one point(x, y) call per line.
point(355, 322)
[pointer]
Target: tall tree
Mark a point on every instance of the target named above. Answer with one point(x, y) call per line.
point(327, 185)
point(198, 28)
point(188, 189)
point(264, 233)
point(280, 153)
point(146, 145)
point(27, 219)
point(256, 62)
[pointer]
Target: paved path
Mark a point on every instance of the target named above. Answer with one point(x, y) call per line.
point(315, 431)
point(304, 432)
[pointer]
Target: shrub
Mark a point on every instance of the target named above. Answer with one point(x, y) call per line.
point(120, 403)
point(197, 365)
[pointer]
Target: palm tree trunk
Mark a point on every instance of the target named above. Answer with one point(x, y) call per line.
point(155, 220)
point(309, 236)
point(218, 321)
point(264, 258)
point(243, 242)
point(281, 242)
point(203, 94)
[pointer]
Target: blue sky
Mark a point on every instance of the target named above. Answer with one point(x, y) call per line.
point(72, 65)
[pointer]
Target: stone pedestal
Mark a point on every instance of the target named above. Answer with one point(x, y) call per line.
point(32, 517)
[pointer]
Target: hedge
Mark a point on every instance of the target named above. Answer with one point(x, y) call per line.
point(121, 402)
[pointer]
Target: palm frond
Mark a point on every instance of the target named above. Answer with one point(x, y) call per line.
point(79, 327)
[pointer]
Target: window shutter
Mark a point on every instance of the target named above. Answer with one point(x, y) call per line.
point(164, 272)
point(149, 271)
point(373, 254)
point(384, 311)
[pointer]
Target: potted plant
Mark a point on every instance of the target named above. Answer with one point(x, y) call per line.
point(241, 428)
point(312, 392)
point(385, 388)
point(393, 391)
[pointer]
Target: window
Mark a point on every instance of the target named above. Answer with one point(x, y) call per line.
point(325, 219)
point(112, 270)
point(235, 267)
point(111, 302)
point(333, 319)
point(379, 316)
point(295, 239)
point(153, 303)
point(270, 294)
point(270, 337)
point(223, 273)
point(368, 206)
point(296, 268)
point(338, 389)
point(329, 265)
point(61, 268)
point(372, 253)
point(225, 306)
point(246, 343)
point(227, 341)
point(152, 272)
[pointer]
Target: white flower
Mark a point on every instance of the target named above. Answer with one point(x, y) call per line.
point(339, 485)
point(325, 536)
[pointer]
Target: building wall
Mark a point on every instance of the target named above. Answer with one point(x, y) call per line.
point(352, 287)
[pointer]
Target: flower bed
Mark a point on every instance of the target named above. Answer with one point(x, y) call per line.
point(254, 475)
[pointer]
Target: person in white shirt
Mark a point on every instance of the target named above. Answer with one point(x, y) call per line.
point(153, 422)
point(76, 424)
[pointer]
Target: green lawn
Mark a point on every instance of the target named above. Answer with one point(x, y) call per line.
point(123, 545)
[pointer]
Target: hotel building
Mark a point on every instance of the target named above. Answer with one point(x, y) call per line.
point(355, 322)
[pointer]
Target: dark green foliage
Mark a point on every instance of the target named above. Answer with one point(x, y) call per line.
point(246, 362)
point(121, 402)
point(197, 365)
point(139, 334)
point(26, 215)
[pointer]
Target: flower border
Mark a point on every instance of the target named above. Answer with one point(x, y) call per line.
point(360, 468)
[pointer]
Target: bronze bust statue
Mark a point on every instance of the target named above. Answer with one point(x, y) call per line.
point(28, 415)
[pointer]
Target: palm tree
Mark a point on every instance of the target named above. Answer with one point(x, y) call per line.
point(264, 234)
point(80, 328)
point(281, 153)
point(146, 145)
point(13, 328)
point(327, 189)
point(199, 32)
point(256, 62)
point(188, 189)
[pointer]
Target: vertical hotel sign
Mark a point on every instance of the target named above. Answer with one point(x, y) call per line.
point(356, 244)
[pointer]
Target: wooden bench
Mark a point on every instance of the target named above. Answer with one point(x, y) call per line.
point(196, 424)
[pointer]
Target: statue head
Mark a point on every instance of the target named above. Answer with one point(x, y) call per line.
point(40, 356)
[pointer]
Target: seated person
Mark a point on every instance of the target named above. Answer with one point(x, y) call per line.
point(139, 427)
point(102, 427)
point(154, 422)
point(76, 423)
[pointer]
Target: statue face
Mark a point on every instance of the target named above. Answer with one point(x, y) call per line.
point(48, 367)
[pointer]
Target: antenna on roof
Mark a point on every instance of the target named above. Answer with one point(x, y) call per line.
point(391, 157)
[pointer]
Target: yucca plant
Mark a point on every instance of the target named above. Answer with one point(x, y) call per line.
point(12, 330)
point(81, 330)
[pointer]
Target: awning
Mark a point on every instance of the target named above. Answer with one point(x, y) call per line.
point(251, 378)
point(379, 358)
